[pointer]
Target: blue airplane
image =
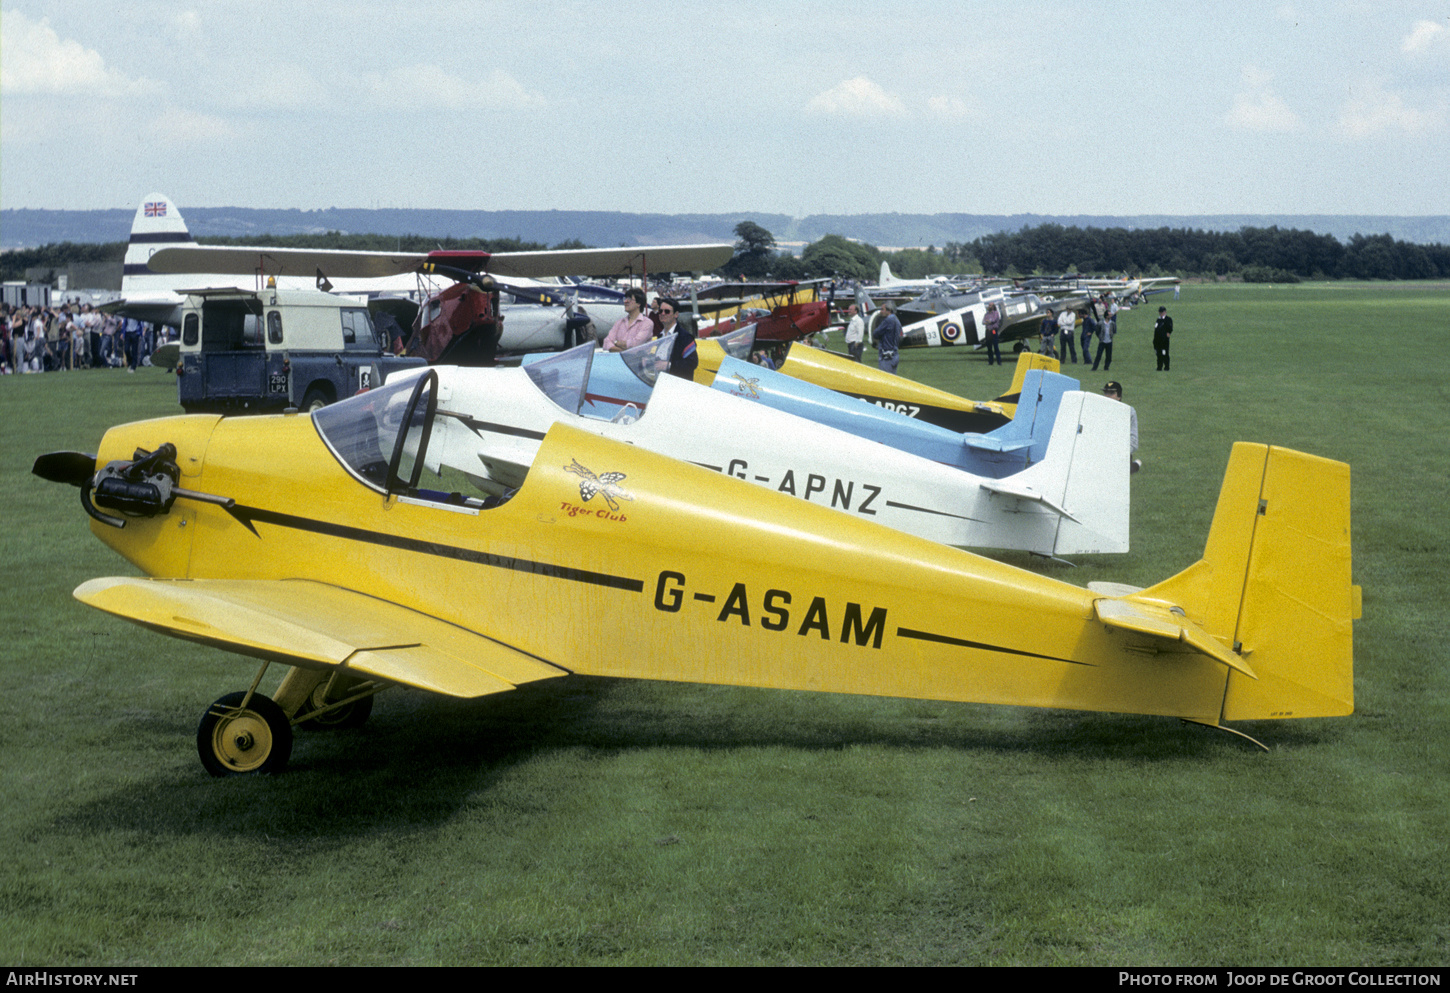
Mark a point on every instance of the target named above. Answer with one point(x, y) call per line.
point(620, 384)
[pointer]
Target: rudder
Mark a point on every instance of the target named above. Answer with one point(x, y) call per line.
point(1274, 584)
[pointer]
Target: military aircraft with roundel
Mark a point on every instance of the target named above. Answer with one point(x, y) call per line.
point(314, 544)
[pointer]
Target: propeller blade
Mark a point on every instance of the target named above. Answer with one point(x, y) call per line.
point(75, 468)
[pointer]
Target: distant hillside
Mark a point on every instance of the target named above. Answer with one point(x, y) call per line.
point(27, 228)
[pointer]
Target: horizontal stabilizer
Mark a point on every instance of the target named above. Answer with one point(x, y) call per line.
point(987, 443)
point(1162, 621)
point(311, 624)
point(1005, 487)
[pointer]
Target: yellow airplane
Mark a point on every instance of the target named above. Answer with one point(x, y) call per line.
point(311, 542)
point(906, 396)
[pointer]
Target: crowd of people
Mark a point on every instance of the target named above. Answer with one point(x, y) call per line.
point(72, 336)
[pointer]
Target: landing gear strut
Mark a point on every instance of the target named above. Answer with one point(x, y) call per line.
point(247, 732)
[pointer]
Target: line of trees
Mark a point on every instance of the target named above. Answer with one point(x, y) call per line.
point(1252, 254)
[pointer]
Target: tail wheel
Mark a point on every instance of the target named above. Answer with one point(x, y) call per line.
point(234, 740)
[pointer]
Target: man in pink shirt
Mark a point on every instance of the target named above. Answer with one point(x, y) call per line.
point(634, 328)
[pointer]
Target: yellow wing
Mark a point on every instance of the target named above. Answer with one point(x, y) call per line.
point(313, 625)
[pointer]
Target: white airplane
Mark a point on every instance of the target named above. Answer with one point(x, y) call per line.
point(491, 422)
point(887, 284)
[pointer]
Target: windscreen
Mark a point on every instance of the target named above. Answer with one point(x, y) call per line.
point(363, 430)
point(647, 361)
point(563, 377)
point(737, 343)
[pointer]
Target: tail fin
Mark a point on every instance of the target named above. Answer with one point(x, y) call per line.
point(885, 278)
point(1274, 584)
point(1023, 440)
point(1085, 473)
point(157, 225)
point(1026, 362)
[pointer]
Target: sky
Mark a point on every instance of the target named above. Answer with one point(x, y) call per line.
point(1115, 108)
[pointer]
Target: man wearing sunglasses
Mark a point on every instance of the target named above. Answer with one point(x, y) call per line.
point(683, 358)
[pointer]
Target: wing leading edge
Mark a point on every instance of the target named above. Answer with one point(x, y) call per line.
point(311, 624)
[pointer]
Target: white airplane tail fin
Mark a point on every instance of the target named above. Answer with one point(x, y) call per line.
point(157, 225)
point(885, 279)
point(1085, 474)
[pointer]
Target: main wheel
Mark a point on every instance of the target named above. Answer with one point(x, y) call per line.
point(233, 740)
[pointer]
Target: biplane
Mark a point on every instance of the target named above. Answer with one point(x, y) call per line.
point(779, 312)
point(466, 320)
point(314, 543)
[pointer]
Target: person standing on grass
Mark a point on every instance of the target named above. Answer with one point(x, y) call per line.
point(1106, 330)
point(1066, 327)
point(1048, 331)
point(855, 332)
point(1162, 332)
point(888, 339)
point(992, 325)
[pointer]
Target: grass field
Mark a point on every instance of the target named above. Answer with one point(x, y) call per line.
point(596, 822)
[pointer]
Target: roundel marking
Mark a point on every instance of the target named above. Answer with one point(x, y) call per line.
point(951, 331)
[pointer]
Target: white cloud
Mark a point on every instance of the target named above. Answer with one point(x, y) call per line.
point(34, 60)
point(1375, 111)
point(858, 97)
point(1422, 36)
point(411, 86)
point(1257, 107)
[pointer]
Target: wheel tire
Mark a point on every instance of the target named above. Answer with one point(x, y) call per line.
point(235, 742)
point(314, 399)
point(354, 715)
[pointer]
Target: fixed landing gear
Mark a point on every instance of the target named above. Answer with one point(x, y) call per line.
point(234, 738)
point(249, 733)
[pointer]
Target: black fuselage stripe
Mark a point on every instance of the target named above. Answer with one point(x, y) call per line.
point(509, 429)
point(928, 510)
point(160, 237)
point(943, 639)
point(248, 514)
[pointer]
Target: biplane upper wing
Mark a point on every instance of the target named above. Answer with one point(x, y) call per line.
point(339, 264)
point(311, 624)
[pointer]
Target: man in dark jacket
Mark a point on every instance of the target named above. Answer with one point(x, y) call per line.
point(888, 338)
point(1162, 331)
